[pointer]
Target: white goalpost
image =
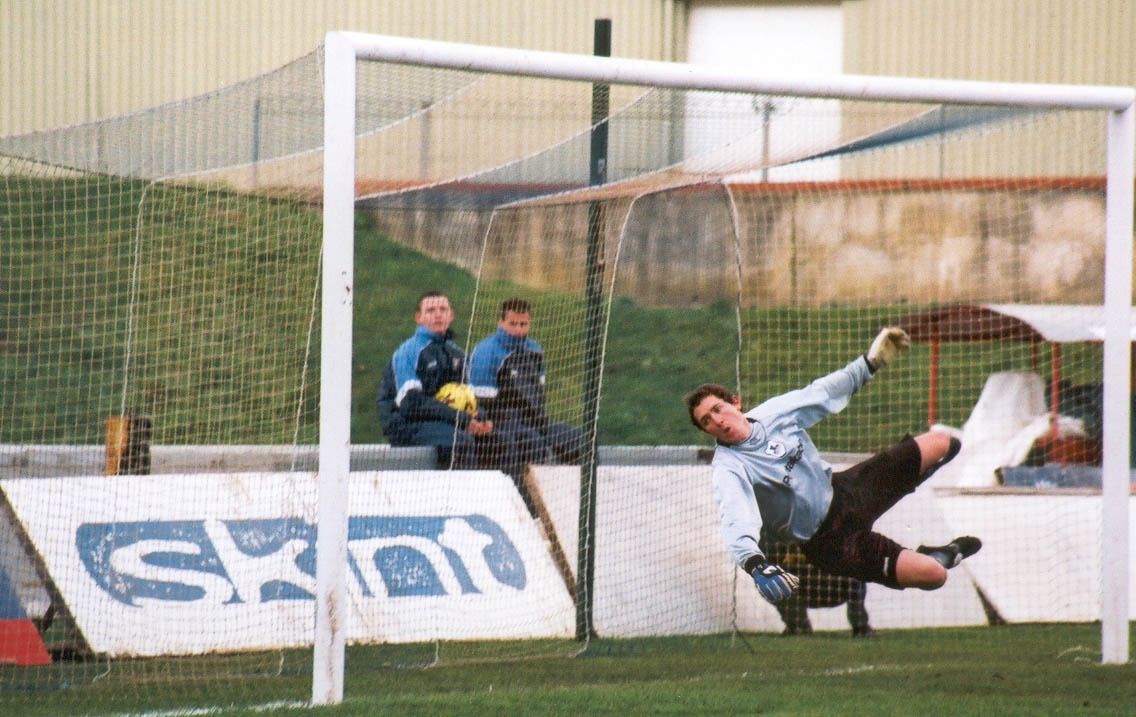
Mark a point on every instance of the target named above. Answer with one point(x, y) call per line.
point(344, 50)
point(335, 367)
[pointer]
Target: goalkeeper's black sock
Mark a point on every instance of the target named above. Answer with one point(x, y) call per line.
point(954, 552)
point(952, 451)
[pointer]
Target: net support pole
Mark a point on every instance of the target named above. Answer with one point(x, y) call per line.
point(593, 348)
point(335, 370)
point(1115, 468)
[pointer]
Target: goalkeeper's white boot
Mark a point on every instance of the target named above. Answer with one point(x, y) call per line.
point(954, 552)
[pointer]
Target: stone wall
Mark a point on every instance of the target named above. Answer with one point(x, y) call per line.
point(799, 244)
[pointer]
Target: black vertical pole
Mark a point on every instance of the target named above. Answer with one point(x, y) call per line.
point(255, 142)
point(593, 338)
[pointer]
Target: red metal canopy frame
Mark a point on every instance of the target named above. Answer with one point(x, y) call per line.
point(1033, 323)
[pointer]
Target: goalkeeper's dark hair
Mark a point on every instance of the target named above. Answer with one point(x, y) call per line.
point(516, 305)
point(699, 394)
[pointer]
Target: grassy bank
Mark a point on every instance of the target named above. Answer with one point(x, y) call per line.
point(197, 307)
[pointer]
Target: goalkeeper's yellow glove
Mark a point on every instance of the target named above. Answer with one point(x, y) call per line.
point(888, 343)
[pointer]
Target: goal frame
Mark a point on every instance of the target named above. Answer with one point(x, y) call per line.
point(343, 49)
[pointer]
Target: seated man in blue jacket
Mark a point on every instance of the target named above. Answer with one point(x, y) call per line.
point(409, 412)
point(506, 370)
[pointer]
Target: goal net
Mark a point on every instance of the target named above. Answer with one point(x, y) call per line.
point(191, 377)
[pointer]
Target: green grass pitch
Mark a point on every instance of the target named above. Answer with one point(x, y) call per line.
point(1006, 670)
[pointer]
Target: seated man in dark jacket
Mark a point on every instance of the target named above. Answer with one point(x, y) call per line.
point(506, 370)
point(408, 410)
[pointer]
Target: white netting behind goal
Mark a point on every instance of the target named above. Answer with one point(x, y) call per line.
point(164, 268)
point(765, 249)
point(159, 325)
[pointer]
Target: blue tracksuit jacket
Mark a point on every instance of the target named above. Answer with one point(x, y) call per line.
point(420, 366)
point(507, 375)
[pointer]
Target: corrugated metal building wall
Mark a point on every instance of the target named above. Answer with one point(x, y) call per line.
point(68, 61)
point(1064, 41)
point(1047, 41)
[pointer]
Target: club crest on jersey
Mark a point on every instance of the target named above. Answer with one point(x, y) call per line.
point(774, 449)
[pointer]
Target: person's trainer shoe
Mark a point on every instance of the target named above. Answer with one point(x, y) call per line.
point(954, 552)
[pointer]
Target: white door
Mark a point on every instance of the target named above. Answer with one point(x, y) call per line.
point(774, 39)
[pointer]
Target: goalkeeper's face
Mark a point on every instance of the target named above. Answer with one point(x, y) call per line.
point(722, 419)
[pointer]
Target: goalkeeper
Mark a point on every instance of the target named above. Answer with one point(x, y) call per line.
point(767, 472)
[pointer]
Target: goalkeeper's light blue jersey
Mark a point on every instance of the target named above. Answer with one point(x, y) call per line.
point(779, 465)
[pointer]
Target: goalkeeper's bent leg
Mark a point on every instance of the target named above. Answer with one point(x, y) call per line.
point(954, 445)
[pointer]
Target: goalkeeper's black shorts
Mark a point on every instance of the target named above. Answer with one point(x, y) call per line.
point(845, 543)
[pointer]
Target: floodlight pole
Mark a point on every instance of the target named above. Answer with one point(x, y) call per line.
point(593, 346)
